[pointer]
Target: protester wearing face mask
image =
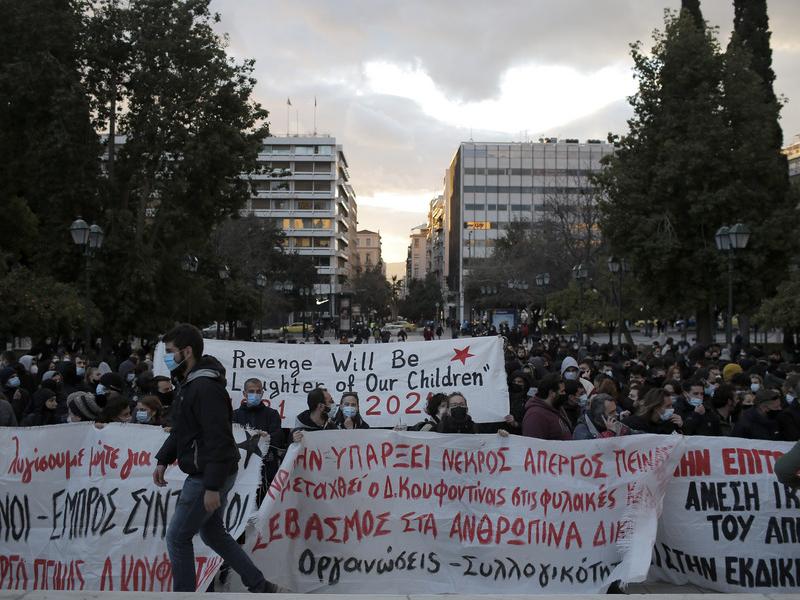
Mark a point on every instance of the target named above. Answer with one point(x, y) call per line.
point(656, 415)
point(316, 418)
point(110, 382)
point(254, 414)
point(544, 418)
point(517, 397)
point(694, 408)
point(45, 410)
point(790, 417)
point(575, 401)
point(148, 411)
point(756, 383)
point(10, 385)
point(457, 419)
point(348, 415)
point(761, 421)
point(435, 408)
point(600, 420)
point(570, 372)
point(202, 442)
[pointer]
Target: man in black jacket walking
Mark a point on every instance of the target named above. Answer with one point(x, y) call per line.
point(202, 442)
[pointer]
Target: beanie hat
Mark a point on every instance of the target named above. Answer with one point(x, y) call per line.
point(83, 405)
point(729, 371)
point(766, 396)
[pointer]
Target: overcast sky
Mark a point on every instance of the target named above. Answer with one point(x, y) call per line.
point(401, 83)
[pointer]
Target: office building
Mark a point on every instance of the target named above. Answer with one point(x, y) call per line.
point(490, 185)
point(303, 184)
point(417, 260)
point(435, 244)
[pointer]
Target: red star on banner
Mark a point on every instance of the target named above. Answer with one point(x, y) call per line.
point(461, 355)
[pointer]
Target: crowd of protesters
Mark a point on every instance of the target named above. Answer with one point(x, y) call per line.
point(557, 390)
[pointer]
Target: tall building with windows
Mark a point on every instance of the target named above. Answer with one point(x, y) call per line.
point(435, 244)
point(368, 246)
point(303, 185)
point(490, 185)
point(417, 260)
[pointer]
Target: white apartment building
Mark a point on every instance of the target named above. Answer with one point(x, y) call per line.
point(368, 246)
point(303, 185)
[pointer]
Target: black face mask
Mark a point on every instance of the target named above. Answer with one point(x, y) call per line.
point(166, 397)
point(516, 388)
point(459, 413)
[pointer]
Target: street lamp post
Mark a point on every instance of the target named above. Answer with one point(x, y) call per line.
point(224, 275)
point(542, 281)
point(90, 240)
point(305, 293)
point(728, 240)
point(618, 266)
point(580, 273)
point(190, 264)
point(261, 283)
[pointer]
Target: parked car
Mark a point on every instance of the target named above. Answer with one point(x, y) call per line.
point(296, 327)
point(395, 326)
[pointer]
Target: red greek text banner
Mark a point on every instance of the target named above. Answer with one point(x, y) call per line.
point(79, 509)
point(384, 511)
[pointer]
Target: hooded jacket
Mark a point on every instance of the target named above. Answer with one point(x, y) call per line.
point(544, 422)
point(201, 439)
point(42, 415)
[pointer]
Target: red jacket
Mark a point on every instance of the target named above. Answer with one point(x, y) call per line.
point(544, 422)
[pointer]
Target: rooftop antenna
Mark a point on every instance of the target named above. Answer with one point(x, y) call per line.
point(470, 134)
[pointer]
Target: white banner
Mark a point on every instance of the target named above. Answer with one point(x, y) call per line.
point(79, 510)
point(727, 524)
point(393, 381)
point(375, 512)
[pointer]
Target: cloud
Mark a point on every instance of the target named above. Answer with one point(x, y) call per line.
point(401, 84)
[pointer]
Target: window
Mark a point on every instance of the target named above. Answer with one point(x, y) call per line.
point(325, 150)
point(321, 205)
point(322, 186)
point(305, 204)
point(322, 167)
point(303, 186)
point(304, 150)
point(292, 224)
point(319, 223)
point(302, 242)
point(280, 204)
point(303, 167)
point(279, 186)
point(322, 242)
point(277, 149)
point(260, 204)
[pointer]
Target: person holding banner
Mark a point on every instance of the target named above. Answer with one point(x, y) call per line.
point(316, 417)
point(348, 415)
point(202, 442)
point(266, 421)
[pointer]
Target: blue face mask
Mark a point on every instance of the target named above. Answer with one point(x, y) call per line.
point(80, 371)
point(14, 382)
point(709, 391)
point(789, 398)
point(349, 411)
point(129, 377)
point(695, 401)
point(169, 360)
point(667, 414)
point(583, 400)
point(100, 390)
point(253, 399)
point(142, 416)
